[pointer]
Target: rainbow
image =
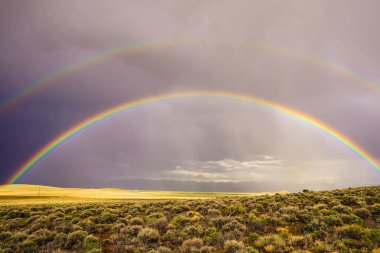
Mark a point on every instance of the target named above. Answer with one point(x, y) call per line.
point(336, 68)
point(85, 124)
point(59, 73)
point(38, 84)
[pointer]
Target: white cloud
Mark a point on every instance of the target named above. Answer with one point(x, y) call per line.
point(226, 170)
point(230, 164)
point(181, 174)
point(317, 174)
point(196, 174)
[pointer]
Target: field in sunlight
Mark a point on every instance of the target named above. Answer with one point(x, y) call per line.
point(22, 193)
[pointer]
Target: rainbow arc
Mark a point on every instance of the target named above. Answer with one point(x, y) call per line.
point(51, 78)
point(97, 118)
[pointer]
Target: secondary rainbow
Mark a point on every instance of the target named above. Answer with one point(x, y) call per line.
point(334, 67)
point(82, 63)
point(71, 132)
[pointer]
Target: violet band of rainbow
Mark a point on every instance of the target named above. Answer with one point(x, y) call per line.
point(83, 125)
point(85, 62)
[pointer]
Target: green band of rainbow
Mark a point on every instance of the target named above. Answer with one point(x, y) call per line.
point(169, 96)
point(68, 69)
point(333, 67)
point(85, 62)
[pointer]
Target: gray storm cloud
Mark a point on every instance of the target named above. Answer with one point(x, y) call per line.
point(210, 143)
point(223, 142)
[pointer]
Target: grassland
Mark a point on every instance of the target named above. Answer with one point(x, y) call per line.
point(48, 219)
point(33, 194)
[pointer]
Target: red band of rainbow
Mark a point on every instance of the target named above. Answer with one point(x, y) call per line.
point(86, 62)
point(71, 132)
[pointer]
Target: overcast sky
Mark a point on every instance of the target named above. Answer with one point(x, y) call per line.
point(269, 49)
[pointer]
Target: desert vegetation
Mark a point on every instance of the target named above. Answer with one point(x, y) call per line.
point(345, 220)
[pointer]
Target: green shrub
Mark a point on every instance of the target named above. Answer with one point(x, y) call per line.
point(124, 221)
point(236, 209)
point(207, 249)
point(75, 221)
point(270, 221)
point(86, 214)
point(91, 242)
point(315, 225)
point(234, 226)
point(18, 214)
point(134, 230)
point(28, 246)
point(18, 237)
point(300, 241)
point(253, 237)
point(193, 231)
point(233, 247)
point(251, 249)
point(362, 213)
point(42, 237)
point(214, 212)
point(219, 222)
point(254, 223)
point(136, 221)
point(180, 221)
point(172, 237)
point(7, 250)
point(375, 209)
point(192, 245)
point(342, 209)
point(319, 234)
point(164, 249)
point(321, 247)
point(60, 240)
point(180, 209)
point(372, 238)
point(108, 218)
point(275, 240)
point(95, 251)
point(75, 239)
point(213, 236)
point(117, 227)
point(148, 236)
point(350, 218)
point(350, 201)
point(351, 231)
point(333, 220)
point(5, 235)
point(160, 224)
point(155, 216)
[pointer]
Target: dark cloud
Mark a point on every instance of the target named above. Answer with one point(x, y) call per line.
point(220, 45)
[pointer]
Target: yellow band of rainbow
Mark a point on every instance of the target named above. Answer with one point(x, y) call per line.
point(85, 62)
point(71, 132)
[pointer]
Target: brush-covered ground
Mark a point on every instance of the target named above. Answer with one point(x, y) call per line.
point(340, 220)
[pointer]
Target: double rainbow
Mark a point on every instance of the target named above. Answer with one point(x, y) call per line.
point(82, 126)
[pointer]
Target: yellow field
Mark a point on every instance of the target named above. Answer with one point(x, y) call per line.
point(33, 194)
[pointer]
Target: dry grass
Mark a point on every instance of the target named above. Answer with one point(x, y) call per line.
point(33, 194)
